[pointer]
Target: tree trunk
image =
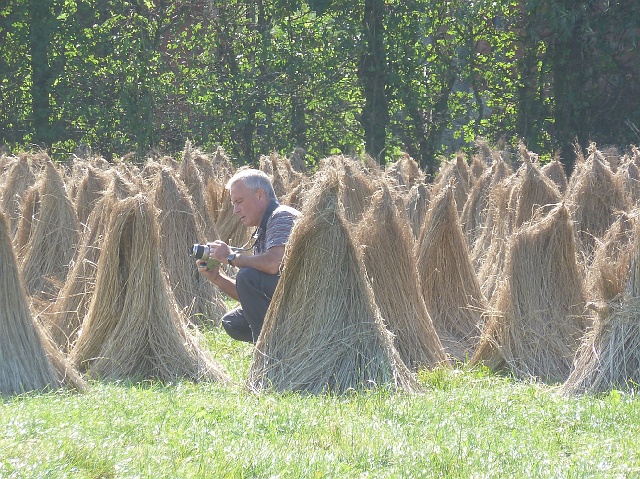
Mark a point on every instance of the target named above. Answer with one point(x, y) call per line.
point(373, 75)
point(41, 16)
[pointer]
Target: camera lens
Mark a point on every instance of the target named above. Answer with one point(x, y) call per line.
point(198, 251)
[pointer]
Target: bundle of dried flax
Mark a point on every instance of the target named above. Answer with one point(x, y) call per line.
point(28, 359)
point(609, 356)
point(196, 296)
point(537, 323)
point(388, 257)
point(19, 179)
point(449, 285)
point(53, 238)
point(134, 329)
point(323, 332)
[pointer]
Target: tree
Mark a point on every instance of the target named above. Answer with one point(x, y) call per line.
point(372, 72)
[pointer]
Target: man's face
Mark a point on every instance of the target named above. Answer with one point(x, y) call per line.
point(249, 205)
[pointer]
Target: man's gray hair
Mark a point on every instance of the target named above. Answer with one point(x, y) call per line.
point(254, 180)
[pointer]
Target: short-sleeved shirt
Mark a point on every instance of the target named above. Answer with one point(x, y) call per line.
point(278, 227)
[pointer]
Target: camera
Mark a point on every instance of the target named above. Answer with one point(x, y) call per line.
point(203, 252)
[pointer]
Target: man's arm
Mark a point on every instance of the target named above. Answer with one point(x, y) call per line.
point(267, 262)
point(226, 284)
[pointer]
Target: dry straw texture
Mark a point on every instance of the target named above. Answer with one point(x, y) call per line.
point(196, 296)
point(53, 238)
point(555, 172)
point(323, 332)
point(405, 173)
point(609, 356)
point(417, 205)
point(18, 180)
point(607, 275)
point(28, 216)
point(490, 249)
point(274, 166)
point(594, 197)
point(133, 329)
point(28, 360)
point(474, 212)
point(90, 189)
point(65, 316)
point(356, 187)
point(477, 214)
point(388, 246)
point(449, 285)
point(629, 176)
point(191, 177)
point(538, 321)
point(458, 171)
point(535, 193)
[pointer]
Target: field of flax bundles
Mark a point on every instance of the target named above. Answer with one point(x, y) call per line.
point(501, 260)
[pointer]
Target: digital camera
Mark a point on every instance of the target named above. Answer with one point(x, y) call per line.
point(203, 252)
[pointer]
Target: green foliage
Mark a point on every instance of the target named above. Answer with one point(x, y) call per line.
point(257, 77)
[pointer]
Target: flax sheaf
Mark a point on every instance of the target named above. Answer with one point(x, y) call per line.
point(537, 320)
point(609, 355)
point(196, 296)
point(53, 238)
point(28, 359)
point(594, 196)
point(134, 329)
point(323, 332)
point(449, 284)
point(388, 245)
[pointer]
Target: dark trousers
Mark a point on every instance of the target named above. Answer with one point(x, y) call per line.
point(255, 290)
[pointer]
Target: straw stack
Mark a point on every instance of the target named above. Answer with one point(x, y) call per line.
point(628, 175)
point(222, 166)
point(555, 172)
point(323, 332)
point(457, 171)
point(490, 249)
point(196, 297)
point(609, 356)
point(477, 209)
point(19, 179)
point(134, 329)
point(417, 205)
point(537, 323)
point(53, 239)
point(65, 316)
point(191, 177)
point(405, 172)
point(449, 285)
point(608, 273)
point(356, 188)
point(28, 217)
point(28, 360)
point(535, 193)
point(388, 246)
point(594, 197)
point(90, 189)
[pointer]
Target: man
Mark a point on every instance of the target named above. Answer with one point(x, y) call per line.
point(255, 203)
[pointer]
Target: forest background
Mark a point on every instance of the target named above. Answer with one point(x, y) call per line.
point(382, 77)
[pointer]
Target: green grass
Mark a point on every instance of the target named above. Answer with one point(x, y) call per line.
point(467, 424)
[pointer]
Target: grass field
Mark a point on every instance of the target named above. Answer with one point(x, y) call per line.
point(467, 424)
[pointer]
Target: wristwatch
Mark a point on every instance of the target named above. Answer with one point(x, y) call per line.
point(231, 257)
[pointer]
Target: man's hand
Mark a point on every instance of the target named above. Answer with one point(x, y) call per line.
point(211, 274)
point(220, 251)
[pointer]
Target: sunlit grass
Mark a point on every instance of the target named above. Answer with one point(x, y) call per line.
point(468, 423)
